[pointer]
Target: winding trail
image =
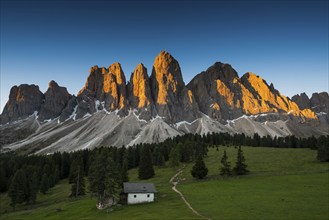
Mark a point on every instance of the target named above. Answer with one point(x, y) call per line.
point(174, 183)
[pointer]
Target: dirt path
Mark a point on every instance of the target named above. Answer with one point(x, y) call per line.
point(174, 183)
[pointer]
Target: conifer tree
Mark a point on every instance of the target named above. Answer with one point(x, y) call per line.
point(65, 165)
point(145, 169)
point(33, 188)
point(124, 170)
point(240, 165)
point(78, 185)
point(158, 156)
point(76, 176)
point(17, 188)
point(3, 178)
point(225, 169)
point(44, 184)
point(323, 148)
point(103, 178)
point(174, 156)
point(199, 170)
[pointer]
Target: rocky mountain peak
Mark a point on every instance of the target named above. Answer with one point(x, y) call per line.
point(169, 91)
point(56, 99)
point(166, 77)
point(52, 84)
point(23, 101)
point(139, 88)
point(320, 102)
point(117, 71)
point(221, 71)
point(302, 101)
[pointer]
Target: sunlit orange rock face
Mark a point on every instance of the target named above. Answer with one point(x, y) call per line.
point(23, 101)
point(104, 85)
point(172, 99)
point(273, 100)
point(139, 88)
point(223, 95)
point(167, 78)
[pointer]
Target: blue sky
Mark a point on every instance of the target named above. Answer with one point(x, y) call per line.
point(285, 42)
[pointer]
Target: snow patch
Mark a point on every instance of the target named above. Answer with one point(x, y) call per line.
point(35, 114)
point(184, 122)
point(97, 104)
point(74, 114)
point(137, 116)
point(321, 113)
point(157, 117)
point(87, 115)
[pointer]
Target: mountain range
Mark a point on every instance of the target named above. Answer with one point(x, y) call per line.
point(108, 110)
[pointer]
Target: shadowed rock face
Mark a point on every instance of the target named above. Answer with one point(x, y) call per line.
point(319, 102)
point(56, 99)
point(172, 99)
point(23, 101)
point(302, 101)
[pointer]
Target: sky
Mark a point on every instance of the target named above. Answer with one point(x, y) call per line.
point(284, 42)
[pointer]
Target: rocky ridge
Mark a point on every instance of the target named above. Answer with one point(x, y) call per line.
point(215, 100)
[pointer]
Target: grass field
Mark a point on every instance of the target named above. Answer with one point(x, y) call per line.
point(283, 184)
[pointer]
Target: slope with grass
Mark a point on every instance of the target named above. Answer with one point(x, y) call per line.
point(283, 184)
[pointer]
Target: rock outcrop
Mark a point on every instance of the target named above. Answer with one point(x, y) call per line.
point(320, 102)
point(56, 99)
point(302, 101)
point(23, 101)
point(107, 111)
point(104, 89)
point(139, 93)
point(221, 94)
point(271, 99)
point(173, 101)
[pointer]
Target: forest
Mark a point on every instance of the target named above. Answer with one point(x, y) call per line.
point(106, 168)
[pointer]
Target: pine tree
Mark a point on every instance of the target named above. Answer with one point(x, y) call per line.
point(103, 178)
point(44, 184)
point(225, 169)
point(174, 156)
point(240, 166)
point(65, 165)
point(33, 188)
point(17, 188)
point(78, 185)
point(111, 184)
point(3, 178)
point(124, 170)
point(158, 156)
point(323, 148)
point(199, 170)
point(145, 169)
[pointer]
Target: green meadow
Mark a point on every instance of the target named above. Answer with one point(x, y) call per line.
point(282, 184)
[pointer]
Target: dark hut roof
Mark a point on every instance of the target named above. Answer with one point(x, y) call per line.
point(138, 187)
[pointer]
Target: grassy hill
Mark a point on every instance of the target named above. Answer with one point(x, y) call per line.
point(283, 184)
